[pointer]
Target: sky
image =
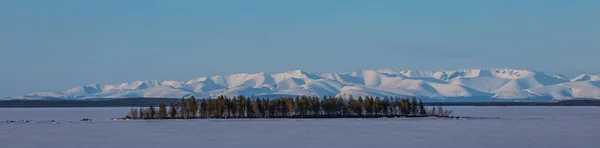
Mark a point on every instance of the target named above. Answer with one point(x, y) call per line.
point(60, 44)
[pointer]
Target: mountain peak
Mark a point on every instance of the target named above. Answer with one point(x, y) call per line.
point(298, 71)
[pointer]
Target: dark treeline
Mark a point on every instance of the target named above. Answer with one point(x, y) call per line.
point(588, 102)
point(122, 102)
point(145, 102)
point(288, 107)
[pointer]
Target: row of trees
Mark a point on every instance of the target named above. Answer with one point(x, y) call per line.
point(287, 107)
point(185, 109)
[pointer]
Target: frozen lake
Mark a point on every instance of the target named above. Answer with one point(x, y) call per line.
point(517, 127)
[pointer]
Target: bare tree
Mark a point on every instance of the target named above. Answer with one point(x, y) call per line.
point(448, 112)
point(133, 114)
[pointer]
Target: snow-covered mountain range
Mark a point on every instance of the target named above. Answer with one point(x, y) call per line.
point(459, 85)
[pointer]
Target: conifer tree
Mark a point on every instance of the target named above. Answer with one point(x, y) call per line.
point(241, 106)
point(297, 106)
point(257, 107)
point(377, 106)
point(422, 110)
point(289, 103)
point(414, 106)
point(141, 113)
point(405, 106)
point(233, 107)
point(162, 111)
point(385, 105)
point(173, 111)
point(360, 106)
point(316, 106)
point(250, 108)
point(192, 108)
point(368, 106)
point(355, 107)
point(183, 109)
point(343, 106)
point(151, 112)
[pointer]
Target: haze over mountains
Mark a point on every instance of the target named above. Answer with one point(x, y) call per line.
point(455, 85)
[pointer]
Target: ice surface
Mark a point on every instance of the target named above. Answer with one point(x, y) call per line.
point(518, 127)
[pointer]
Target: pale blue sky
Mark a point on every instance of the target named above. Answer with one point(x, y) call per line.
point(52, 45)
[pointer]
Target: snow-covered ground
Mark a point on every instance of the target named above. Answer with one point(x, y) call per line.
point(518, 127)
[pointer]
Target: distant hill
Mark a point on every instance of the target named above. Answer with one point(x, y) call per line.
point(129, 102)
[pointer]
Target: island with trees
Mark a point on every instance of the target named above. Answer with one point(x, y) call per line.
point(288, 107)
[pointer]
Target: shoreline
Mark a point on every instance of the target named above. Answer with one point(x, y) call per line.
point(299, 117)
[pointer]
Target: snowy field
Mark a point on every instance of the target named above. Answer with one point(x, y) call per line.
point(517, 127)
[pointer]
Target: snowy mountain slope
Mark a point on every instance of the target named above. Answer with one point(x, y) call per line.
point(563, 91)
point(586, 77)
point(474, 83)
